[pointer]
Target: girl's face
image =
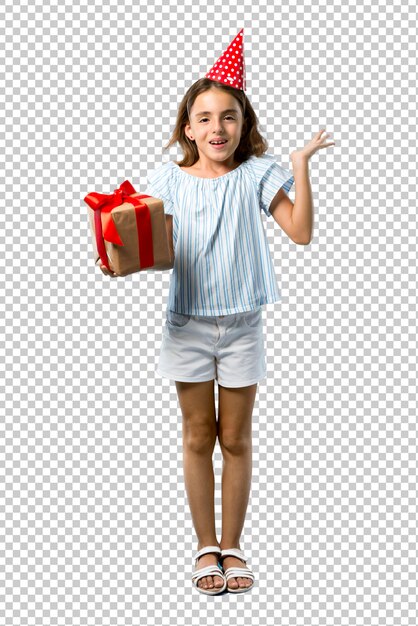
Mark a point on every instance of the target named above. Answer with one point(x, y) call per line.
point(215, 114)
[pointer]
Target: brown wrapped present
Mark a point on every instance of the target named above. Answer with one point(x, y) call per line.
point(129, 231)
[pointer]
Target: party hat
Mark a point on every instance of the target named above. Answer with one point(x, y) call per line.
point(230, 67)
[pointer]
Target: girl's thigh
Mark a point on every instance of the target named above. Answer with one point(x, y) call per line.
point(235, 413)
point(197, 404)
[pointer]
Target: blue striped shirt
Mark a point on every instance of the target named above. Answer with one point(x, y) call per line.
point(222, 261)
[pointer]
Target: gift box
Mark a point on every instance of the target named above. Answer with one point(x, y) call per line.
point(129, 231)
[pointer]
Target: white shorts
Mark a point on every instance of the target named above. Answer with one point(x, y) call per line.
point(228, 348)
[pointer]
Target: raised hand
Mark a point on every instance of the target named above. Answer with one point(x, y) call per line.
point(317, 142)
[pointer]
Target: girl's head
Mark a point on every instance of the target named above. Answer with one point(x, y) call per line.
point(204, 114)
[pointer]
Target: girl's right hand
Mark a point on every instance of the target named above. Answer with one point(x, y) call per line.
point(107, 272)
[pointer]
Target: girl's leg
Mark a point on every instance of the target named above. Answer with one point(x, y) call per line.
point(234, 433)
point(197, 403)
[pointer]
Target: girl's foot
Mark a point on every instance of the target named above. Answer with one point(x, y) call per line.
point(209, 582)
point(234, 583)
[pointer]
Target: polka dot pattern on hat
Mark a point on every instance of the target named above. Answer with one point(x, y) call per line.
point(230, 67)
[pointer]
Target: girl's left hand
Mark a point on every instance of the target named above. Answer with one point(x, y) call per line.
point(315, 144)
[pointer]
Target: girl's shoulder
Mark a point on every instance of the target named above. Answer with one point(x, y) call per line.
point(163, 168)
point(262, 163)
point(161, 181)
point(268, 170)
point(162, 174)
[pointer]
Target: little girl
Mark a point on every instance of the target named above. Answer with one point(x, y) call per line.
point(223, 274)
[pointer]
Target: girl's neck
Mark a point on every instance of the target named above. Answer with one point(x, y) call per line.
point(208, 171)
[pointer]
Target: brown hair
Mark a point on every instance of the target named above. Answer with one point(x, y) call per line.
point(252, 143)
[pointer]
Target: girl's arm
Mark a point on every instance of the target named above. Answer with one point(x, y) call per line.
point(169, 228)
point(302, 211)
point(281, 208)
point(296, 220)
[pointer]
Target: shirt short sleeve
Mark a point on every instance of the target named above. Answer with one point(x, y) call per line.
point(160, 185)
point(270, 176)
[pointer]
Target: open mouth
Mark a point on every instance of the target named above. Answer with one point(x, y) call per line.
point(218, 145)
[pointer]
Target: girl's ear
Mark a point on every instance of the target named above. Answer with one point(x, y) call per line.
point(187, 129)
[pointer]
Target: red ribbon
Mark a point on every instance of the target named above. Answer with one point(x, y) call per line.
point(103, 205)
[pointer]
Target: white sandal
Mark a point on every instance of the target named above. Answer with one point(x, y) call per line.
point(237, 572)
point(210, 570)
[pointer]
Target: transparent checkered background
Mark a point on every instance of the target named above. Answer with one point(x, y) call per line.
point(95, 524)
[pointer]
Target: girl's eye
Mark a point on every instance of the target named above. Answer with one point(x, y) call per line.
point(205, 118)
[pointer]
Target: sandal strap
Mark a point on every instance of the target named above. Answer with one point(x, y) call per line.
point(237, 572)
point(210, 570)
point(207, 550)
point(239, 554)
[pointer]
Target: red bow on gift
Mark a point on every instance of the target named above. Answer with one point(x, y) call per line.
point(103, 205)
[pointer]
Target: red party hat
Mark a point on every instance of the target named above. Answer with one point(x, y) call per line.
point(230, 67)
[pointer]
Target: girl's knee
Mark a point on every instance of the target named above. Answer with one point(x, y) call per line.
point(199, 440)
point(235, 444)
